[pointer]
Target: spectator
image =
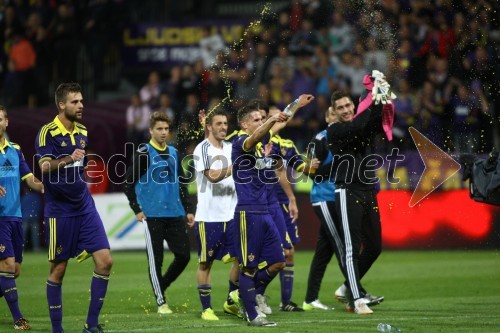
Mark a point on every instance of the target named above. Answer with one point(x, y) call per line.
point(21, 61)
point(137, 120)
point(466, 109)
point(407, 108)
point(431, 114)
point(304, 41)
point(210, 43)
point(150, 92)
point(375, 57)
point(37, 35)
point(341, 36)
point(166, 108)
point(63, 32)
point(285, 61)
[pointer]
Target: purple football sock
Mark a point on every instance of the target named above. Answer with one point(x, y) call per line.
point(286, 277)
point(98, 288)
point(9, 290)
point(54, 300)
point(205, 291)
point(263, 278)
point(247, 294)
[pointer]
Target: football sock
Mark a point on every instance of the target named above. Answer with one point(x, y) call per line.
point(98, 288)
point(263, 278)
point(54, 300)
point(204, 291)
point(247, 294)
point(9, 289)
point(286, 277)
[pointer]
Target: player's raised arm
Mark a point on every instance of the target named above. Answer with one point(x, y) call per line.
point(263, 129)
point(292, 108)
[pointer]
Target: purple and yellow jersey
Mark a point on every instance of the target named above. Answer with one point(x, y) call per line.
point(291, 157)
point(13, 170)
point(251, 172)
point(66, 192)
point(234, 136)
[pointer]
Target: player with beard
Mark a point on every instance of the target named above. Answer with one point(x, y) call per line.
point(74, 228)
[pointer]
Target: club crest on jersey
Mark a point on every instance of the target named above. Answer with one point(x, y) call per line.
point(59, 249)
point(283, 151)
point(2, 248)
point(251, 257)
point(210, 252)
point(63, 144)
point(82, 143)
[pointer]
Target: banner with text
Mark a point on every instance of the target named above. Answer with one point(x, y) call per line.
point(165, 44)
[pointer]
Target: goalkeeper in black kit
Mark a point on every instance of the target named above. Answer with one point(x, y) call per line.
point(358, 220)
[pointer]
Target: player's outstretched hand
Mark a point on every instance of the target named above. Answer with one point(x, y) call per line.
point(305, 99)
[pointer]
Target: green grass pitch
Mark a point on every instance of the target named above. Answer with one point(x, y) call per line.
point(426, 291)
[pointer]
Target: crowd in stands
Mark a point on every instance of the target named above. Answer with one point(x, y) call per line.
point(439, 56)
point(41, 41)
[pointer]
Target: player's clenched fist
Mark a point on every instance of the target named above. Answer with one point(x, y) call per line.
point(78, 154)
point(305, 99)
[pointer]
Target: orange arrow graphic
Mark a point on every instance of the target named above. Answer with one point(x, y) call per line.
point(439, 167)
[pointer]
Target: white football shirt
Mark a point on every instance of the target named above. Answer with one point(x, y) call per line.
point(216, 201)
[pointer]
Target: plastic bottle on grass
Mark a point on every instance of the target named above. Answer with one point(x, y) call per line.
point(386, 328)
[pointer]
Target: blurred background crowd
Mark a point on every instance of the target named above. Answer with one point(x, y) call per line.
point(440, 57)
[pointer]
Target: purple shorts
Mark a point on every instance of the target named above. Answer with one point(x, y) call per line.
point(11, 240)
point(291, 227)
point(279, 220)
point(257, 239)
point(215, 241)
point(73, 236)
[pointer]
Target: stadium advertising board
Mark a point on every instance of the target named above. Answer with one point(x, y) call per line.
point(445, 219)
point(122, 228)
point(168, 43)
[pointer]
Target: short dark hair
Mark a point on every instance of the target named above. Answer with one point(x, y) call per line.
point(64, 89)
point(4, 110)
point(259, 104)
point(338, 94)
point(156, 117)
point(245, 111)
point(211, 115)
